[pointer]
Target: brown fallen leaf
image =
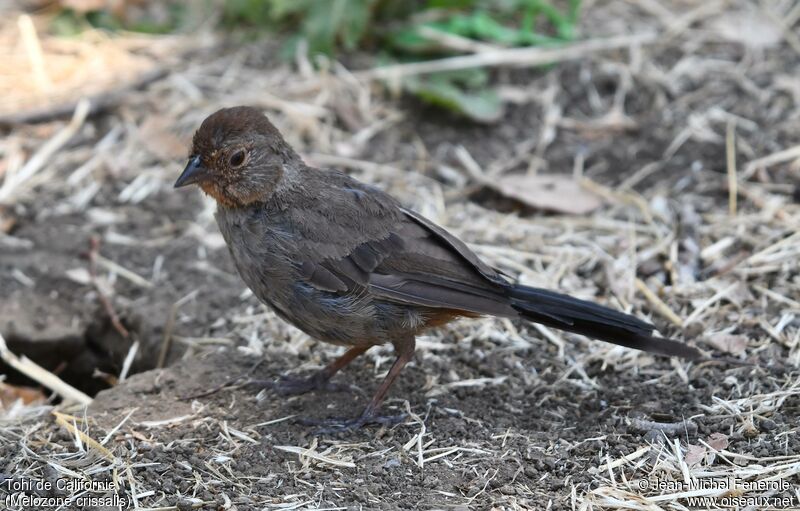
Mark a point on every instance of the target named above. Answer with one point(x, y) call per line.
point(729, 343)
point(9, 394)
point(119, 8)
point(695, 454)
point(84, 6)
point(7, 222)
point(718, 441)
point(751, 28)
point(552, 192)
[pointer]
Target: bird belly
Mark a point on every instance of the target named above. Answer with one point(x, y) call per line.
point(337, 318)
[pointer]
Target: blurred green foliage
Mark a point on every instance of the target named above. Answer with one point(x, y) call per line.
point(394, 30)
point(465, 92)
point(169, 17)
point(404, 31)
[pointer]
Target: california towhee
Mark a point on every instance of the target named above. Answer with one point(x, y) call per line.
point(348, 265)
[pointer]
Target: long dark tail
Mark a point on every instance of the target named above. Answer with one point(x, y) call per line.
point(595, 321)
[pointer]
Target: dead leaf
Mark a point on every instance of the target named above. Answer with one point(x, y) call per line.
point(7, 222)
point(718, 441)
point(79, 275)
point(552, 192)
point(740, 294)
point(750, 28)
point(695, 454)
point(729, 343)
point(9, 394)
point(84, 6)
point(119, 8)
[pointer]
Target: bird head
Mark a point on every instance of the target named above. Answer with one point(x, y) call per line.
point(238, 157)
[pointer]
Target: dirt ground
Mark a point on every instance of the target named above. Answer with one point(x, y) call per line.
point(501, 415)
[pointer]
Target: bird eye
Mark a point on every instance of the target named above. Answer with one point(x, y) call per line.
point(237, 158)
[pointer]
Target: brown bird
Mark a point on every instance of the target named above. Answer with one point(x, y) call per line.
point(347, 264)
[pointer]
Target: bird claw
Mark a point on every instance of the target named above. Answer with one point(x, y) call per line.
point(293, 386)
point(341, 425)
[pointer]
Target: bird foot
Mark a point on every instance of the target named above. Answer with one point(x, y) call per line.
point(341, 425)
point(293, 386)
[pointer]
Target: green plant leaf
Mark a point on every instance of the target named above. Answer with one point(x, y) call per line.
point(447, 91)
point(451, 4)
point(564, 23)
point(68, 24)
point(253, 13)
point(479, 25)
point(324, 24)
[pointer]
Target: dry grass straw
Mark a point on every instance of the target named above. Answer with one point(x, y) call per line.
point(314, 455)
point(60, 71)
point(632, 481)
point(519, 57)
point(16, 179)
point(68, 422)
point(41, 375)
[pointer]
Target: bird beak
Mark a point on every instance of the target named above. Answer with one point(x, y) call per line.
point(193, 173)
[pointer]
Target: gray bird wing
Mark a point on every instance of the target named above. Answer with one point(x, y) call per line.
point(359, 239)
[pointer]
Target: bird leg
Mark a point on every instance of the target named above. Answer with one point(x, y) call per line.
point(293, 385)
point(405, 352)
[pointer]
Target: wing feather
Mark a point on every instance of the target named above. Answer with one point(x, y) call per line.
point(372, 244)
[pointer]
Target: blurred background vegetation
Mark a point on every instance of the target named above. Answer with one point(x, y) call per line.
point(389, 30)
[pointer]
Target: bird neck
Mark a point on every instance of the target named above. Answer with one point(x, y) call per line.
point(293, 175)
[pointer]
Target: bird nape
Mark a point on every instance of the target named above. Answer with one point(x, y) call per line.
point(347, 264)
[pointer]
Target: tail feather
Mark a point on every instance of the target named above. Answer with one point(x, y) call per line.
point(592, 320)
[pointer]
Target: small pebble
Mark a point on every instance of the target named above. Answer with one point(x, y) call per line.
point(391, 463)
point(768, 425)
point(508, 490)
